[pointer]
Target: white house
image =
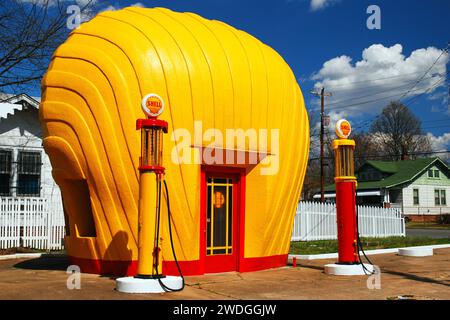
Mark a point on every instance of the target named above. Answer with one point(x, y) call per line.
point(420, 187)
point(25, 169)
point(31, 211)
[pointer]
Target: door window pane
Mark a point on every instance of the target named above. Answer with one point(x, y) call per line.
point(219, 216)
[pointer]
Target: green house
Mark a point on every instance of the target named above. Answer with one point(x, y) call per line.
point(418, 187)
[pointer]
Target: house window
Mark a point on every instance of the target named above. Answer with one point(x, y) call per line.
point(436, 173)
point(430, 173)
point(440, 198)
point(29, 174)
point(416, 197)
point(5, 172)
point(443, 198)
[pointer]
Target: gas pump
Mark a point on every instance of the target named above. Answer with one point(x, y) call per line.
point(151, 172)
point(149, 278)
point(345, 181)
point(349, 262)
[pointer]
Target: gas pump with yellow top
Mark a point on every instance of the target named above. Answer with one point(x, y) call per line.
point(349, 262)
point(149, 278)
point(345, 181)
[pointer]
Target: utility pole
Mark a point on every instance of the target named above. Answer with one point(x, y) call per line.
point(322, 94)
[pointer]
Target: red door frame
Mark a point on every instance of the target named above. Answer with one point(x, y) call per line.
point(239, 222)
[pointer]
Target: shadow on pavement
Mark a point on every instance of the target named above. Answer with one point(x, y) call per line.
point(309, 266)
point(416, 278)
point(45, 262)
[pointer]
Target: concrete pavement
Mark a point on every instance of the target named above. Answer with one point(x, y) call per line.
point(423, 278)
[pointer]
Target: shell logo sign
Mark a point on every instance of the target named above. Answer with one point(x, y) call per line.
point(219, 199)
point(343, 129)
point(152, 105)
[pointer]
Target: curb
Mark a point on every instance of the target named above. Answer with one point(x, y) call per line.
point(368, 252)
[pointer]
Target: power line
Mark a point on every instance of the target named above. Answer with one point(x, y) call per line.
point(373, 100)
point(391, 155)
point(366, 122)
point(379, 92)
point(367, 101)
point(433, 86)
point(372, 80)
point(403, 94)
point(428, 70)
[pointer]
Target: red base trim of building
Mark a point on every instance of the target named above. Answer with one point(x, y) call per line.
point(262, 263)
point(189, 268)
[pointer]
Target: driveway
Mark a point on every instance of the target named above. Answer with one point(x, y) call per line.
point(430, 233)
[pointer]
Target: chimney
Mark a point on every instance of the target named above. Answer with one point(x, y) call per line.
point(405, 155)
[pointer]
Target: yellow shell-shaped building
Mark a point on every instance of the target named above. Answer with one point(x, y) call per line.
point(210, 76)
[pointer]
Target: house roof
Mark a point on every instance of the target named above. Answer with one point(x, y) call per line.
point(10, 103)
point(401, 172)
point(385, 166)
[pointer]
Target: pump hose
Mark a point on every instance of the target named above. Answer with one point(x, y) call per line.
point(359, 245)
point(169, 214)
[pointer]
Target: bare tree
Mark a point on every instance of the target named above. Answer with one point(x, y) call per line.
point(312, 177)
point(398, 133)
point(311, 184)
point(30, 31)
point(366, 148)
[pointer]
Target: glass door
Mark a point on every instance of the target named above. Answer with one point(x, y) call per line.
point(221, 223)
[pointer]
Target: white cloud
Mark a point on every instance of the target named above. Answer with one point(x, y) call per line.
point(439, 143)
point(138, 4)
point(315, 131)
point(335, 117)
point(382, 75)
point(321, 4)
point(113, 8)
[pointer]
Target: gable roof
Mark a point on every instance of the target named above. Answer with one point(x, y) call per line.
point(401, 172)
point(20, 98)
point(10, 103)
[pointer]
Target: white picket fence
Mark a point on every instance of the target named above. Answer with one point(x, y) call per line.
point(317, 221)
point(39, 223)
point(31, 222)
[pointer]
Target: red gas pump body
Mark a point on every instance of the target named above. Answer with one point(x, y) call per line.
point(347, 226)
point(346, 222)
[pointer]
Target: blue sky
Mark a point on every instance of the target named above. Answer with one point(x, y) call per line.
point(311, 33)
